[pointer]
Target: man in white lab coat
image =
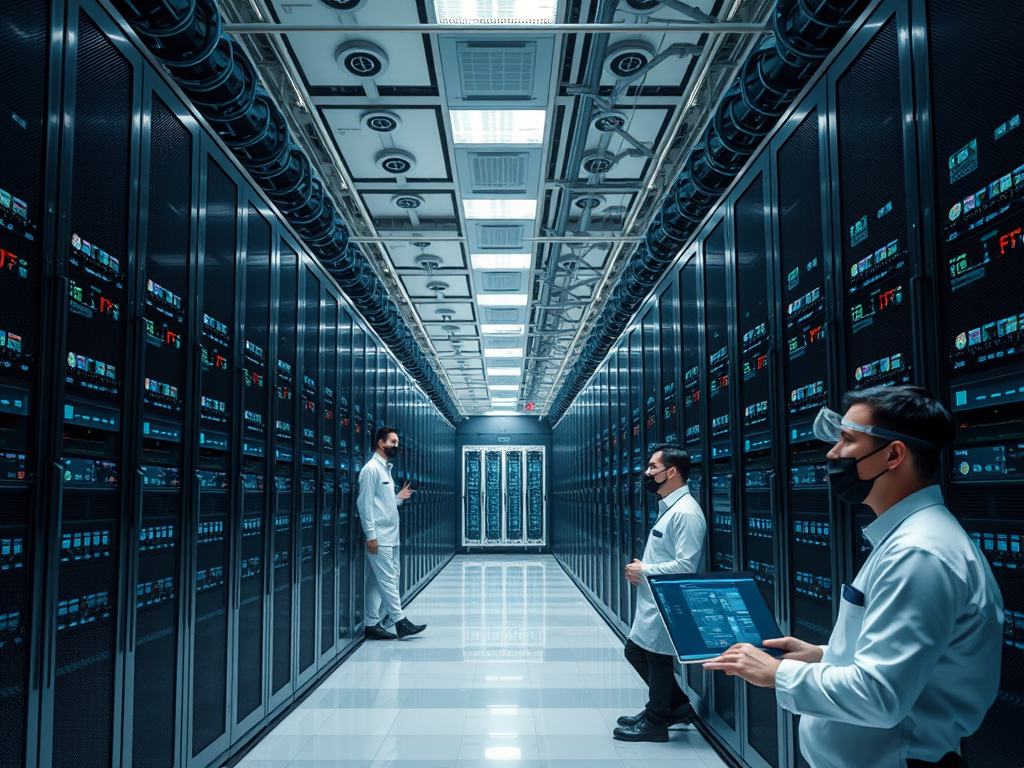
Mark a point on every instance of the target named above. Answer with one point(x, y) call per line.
point(378, 512)
point(912, 665)
point(675, 545)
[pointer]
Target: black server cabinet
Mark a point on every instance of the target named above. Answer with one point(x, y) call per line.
point(669, 344)
point(309, 479)
point(329, 512)
point(284, 532)
point(637, 503)
point(27, 149)
point(690, 298)
point(976, 199)
point(164, 281)
point(624, 506)
point(615, 503)
point(83, 674)
point(359, 441)
point(604, 541)
point(217, 359)
point(250, 535)
point(805, 325)
point(757, 458)
point(722, 515)
point(873, 173)
point(346, 477)
point(651, 396)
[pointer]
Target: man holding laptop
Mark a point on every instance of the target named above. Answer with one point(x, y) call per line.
point(675, 545)
point(912, 665)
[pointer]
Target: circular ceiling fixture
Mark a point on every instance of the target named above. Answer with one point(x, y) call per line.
point(638, 7)
point(407, 202)
point(591, 202)
point(362, 60)
point(439, 287)
point(395, 161)
point(420, 244)
point(381, 122)
point(428, 261)
point(626, 59)
point(445, 313)
point(343, 6)
point(606, 122)
point(599, 162)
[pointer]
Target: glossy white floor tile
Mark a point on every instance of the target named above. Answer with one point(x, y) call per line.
point(515, 669)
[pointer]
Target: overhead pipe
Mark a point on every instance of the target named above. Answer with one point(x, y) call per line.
point(187, 37)
point(803, 34)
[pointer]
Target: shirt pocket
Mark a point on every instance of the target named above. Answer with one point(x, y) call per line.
point(843, 643)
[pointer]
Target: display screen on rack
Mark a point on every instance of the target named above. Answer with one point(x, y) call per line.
point(14, 215)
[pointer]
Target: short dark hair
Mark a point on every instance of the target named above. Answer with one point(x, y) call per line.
point(911, 411)
point(674, 456)
point(383, 432)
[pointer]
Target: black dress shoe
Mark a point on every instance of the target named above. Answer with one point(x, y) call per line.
point(377, 632)
point(405, 628)
point(681, 715)
point(641, 730)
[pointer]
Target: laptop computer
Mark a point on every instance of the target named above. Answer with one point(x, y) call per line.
point(706, 613)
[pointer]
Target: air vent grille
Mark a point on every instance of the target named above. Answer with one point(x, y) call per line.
point(501, 281)
point(502, 315)
point(503, 342)
point(504, 381)
point(499, 235)
point(502, 71)
point(498, 171)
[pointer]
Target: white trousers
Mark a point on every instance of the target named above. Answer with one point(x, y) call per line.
point(382, 573)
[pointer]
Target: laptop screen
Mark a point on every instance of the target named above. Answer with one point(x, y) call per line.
point(705, 613)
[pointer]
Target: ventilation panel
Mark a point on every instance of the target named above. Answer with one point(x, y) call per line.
point(499, 71)
point(495, 315)
point(503, 342)
point(498, 236)
point(501, 281)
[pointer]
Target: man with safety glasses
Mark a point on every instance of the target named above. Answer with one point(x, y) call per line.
point(912, 665)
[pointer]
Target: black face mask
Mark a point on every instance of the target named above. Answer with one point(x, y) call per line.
point(651, 485)
point(846, 482)
point(391, 451)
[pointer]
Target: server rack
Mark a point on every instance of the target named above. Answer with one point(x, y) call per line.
point(636, 502)
point(651, 396)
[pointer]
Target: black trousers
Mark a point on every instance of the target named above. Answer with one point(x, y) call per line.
point(655, 669)
point(951, 760)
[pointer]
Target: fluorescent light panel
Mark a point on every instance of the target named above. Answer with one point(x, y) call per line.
point(502, 300)
point(506, 330)
point(500, 209)
point(503, 353)
point(498, 126)
point(503, 387)
point(467, 11)
point(504, 371)
point(501, 260)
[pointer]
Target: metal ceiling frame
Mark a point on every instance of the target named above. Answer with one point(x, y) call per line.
point(270, 28)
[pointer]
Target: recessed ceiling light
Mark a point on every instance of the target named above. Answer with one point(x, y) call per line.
point(503, 353)
point(504, 371)
point(501, 260)
point(503, 387)
point(500, 209)
point(503, 753)
point(502, 300)
point(496, 400)
point(502, 328)
point(502, 413)
point(467, 11)
point(498, 126)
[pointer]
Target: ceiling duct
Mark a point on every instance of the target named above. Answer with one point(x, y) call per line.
point(397, 162)
point(187, 38)
point(770, 79)
point(409, 204)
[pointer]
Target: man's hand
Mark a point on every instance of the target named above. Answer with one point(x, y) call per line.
point(753, 665)
point(797, 650)
point(405, 493)
point(371, 546)
point(634, 572)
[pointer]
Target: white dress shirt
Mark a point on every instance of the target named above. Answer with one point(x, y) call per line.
point(378, 502)
point(674, 545)
point(915, 668)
